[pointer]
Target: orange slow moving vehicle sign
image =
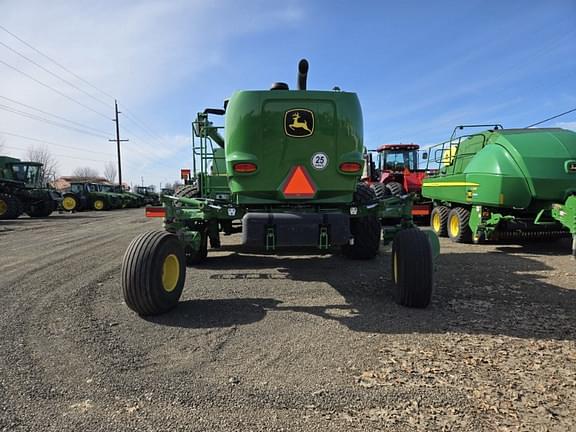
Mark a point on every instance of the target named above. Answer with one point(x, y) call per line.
point(155, 212)
point(299, 184)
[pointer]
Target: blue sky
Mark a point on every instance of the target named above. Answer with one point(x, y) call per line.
point(419, 67)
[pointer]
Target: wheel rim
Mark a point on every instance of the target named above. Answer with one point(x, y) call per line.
point(454, 226)
point(98, 204)
point(395, 267)
point(436, 222)
point(69, 203)
point(3, 207)
point(170, 272)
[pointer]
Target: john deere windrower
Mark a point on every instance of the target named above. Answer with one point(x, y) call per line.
point(286, 174)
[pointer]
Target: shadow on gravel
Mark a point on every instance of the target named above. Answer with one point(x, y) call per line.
point(24, 219)
point(557, 247)
point(216, 313)
point(476, 293)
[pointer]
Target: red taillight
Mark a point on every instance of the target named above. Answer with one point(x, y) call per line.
point(245, 167)
point(350, 167)
point(155, 212)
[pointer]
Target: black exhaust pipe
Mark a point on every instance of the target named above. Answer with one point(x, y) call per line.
point(302, 74)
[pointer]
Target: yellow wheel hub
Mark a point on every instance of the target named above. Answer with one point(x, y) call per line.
point(98, 204)
point(436, 222)
point(170, 273)
point(395, 265)
point(3, 207)
point(69, 203)
point(454, 226)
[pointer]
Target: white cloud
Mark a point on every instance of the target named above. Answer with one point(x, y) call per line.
point(137, 51)
point(567, 125)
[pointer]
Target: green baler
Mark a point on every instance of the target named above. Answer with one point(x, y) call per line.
point(286, 173)
point(504, 183)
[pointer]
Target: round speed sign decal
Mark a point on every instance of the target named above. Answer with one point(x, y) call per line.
point(319, 161)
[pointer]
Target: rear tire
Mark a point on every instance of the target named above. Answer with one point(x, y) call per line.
point(439, 220)
point(153, 273)
point(458, 229)
point(412, 268)
point(366, 230)
point(10, 207)
point(380, 190)
point(44, 209)
point(188, 191)
point(395, 188)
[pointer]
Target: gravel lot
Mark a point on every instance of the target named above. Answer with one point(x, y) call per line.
point(310, 342)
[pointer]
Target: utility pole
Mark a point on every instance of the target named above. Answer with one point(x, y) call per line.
point(118, 141)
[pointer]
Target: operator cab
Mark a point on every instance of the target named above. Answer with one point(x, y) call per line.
point(398, 157)
point(26, 172)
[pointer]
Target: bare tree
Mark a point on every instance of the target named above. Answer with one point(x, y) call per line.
point(173, 186)
point(42, 155)
point(85, 173)
point(110, 172)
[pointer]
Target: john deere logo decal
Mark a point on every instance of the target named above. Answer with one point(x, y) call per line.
point(299, 123)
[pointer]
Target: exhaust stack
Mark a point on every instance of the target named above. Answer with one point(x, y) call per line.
point(302, 74)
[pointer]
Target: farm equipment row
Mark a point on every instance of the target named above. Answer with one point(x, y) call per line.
point(100, 196)
point(22, 191)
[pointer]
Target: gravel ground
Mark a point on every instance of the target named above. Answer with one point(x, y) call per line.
point(309, 342)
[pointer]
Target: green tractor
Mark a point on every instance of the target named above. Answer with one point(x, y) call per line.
point(128, 199)
point(166, 191)
point(21, 190)
point(287, 174)
point(89, 196)
point(134, 200)
point(149, 194)
point(503, 184)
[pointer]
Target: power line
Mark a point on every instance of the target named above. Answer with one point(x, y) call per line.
point(54, 115)
point(65, 156)
point(130, 116)
point(53, 74)
point(146, 156)
point(52, 143)
point(48, 121)
point(55, 62)
point(54, 90)
point(551, 118)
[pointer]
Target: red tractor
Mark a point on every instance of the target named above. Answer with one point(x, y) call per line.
point(396, 172)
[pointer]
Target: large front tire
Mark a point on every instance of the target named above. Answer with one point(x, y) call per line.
point(70, 203)
point(99, 204)
point(153, 273)
point(412, 268)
